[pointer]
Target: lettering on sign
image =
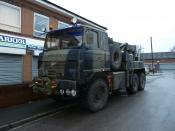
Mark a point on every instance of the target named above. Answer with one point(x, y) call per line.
point(12, 40)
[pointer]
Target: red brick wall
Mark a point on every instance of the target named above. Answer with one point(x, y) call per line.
point(161, 61)
point(27, 68)
point(27, 21)
point(17, 94)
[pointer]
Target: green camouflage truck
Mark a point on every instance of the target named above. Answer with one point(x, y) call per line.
point(83, 62)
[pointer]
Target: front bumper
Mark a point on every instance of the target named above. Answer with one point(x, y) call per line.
point(67, 88)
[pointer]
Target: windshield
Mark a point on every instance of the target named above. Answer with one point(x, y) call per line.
point(64, 39)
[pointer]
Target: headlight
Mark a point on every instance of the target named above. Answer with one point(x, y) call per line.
point(68, 92)
point(62, 92)
point(73, 92)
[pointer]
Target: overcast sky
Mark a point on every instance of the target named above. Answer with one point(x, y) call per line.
point(132, 21)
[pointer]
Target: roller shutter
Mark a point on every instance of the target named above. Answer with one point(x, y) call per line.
point(34, 67)
point(10, 69)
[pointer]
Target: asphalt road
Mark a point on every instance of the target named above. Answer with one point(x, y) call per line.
point(149, 110)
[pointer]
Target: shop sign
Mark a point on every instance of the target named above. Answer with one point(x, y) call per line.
point(13, 42)
point(19, 44)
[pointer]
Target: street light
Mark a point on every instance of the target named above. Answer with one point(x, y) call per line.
point(158, 66)
point(152, 55)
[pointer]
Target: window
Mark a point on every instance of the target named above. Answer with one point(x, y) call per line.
point(92, 39)
point(62, 25)
point(70, 38)
point(41, 25)
point(10, 17)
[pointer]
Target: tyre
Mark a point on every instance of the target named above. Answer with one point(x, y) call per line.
point(96, 96)
point(116, 57)
point(134, 84)
point(142, 81)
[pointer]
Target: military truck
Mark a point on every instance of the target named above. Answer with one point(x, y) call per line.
point(83, 62)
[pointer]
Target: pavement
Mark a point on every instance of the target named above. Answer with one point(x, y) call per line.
point(20, 114)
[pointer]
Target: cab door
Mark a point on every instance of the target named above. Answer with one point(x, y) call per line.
point(94, 56)
point(104, 46)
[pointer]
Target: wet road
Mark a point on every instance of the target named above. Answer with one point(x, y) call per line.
point(150, 110)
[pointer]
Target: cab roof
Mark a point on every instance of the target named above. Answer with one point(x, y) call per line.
point(76, 27)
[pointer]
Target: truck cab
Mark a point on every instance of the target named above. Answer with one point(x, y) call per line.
point(74, 55)
point(82, 62)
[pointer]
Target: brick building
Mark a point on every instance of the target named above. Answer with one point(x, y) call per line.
point(164, 60)
point(22, 26)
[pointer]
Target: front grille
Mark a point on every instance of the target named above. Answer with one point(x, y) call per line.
point(55, 69)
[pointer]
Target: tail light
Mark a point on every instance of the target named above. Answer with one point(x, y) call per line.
point(53, 84)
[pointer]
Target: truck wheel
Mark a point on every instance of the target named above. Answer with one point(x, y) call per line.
point(96, 96)
point(142, 81)
point(116, 57)
point(134, 84)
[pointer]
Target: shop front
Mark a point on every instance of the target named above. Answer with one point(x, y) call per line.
point(12, 57)
point(18, 66)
